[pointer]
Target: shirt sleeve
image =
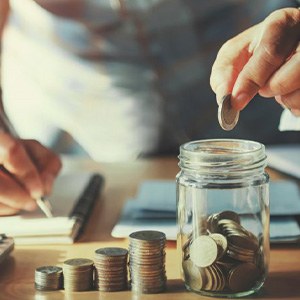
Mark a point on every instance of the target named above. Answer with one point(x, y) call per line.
point(288, 121)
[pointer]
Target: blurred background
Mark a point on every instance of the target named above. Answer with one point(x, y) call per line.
point(122, 79)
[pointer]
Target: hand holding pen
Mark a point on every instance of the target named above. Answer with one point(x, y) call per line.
point(28, 172)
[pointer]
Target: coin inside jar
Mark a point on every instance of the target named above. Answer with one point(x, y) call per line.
point(203, 251)
point(227, 115)
point(243, 277)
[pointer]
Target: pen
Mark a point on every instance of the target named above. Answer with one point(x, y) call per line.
point(42, 202)
point(45, 206)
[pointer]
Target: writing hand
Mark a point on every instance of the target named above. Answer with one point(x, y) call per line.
point(28, 172)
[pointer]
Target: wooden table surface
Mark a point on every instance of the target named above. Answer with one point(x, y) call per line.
point(122, 180)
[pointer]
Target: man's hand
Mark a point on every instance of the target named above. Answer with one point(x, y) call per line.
point(28, 171)
point(264, 59)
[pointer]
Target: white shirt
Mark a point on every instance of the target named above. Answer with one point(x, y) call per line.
point(126, 80)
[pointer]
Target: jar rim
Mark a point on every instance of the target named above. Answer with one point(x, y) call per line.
point(222, 155)
point(189, 147)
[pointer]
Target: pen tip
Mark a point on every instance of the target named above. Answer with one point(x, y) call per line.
point(45, 206)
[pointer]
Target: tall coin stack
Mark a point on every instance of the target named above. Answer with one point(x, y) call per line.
point(111, 269)
point(48, 278)
point(147, 261)
point(78, 274)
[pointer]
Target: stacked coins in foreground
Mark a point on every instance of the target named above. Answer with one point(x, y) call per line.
point(223, 217)
point(48, 278)
point(78, 274)
point(147, 261)
point(111, 269)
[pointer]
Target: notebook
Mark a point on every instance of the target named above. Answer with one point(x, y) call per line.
point(72, 199)
point(154, 208)
point(6, 246)
point(285, 158)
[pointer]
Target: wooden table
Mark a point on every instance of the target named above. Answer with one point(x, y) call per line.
point(122, 179)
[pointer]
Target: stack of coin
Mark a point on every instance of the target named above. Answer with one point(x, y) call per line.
point(226, 258)
point(147, 261)
point(242, 244)
point(111, 269)
point(78, 274)
point(48, 278)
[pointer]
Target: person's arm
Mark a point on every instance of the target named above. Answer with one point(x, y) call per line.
point(264, 59)
point(4, 10)
point(27, 168)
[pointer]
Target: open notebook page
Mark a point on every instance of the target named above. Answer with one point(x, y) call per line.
point(27, 225)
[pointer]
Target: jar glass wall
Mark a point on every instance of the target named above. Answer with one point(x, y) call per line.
point(223, 217)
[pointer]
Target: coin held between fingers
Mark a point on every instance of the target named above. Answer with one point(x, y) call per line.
point(227, 115)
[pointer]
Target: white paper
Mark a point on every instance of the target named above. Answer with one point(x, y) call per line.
point(35, 227)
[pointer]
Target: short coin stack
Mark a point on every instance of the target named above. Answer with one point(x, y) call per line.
point(78, 274)
point(111, 269)
point(227, 258)
point(48, 278)
point(147, 261)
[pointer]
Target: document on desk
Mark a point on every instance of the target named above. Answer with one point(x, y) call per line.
point(154, 208)
point(285, 158)
point(72, 199)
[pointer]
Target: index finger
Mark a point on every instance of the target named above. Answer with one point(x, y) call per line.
point(17, 162)
point(47, 162)
point(229, 62)
point(279, 37)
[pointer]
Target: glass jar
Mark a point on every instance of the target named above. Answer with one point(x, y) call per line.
point(223, 217)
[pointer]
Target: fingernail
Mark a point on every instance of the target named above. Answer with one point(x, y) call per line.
point(221, 92)
point(36, 194)
point(30, 206)
point(240, 101)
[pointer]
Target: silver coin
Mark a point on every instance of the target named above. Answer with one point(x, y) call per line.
point(111, 251)
point(48, 278)
point(48, 270)
point(148, 235)
point(227, 115)
point(78, 262)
